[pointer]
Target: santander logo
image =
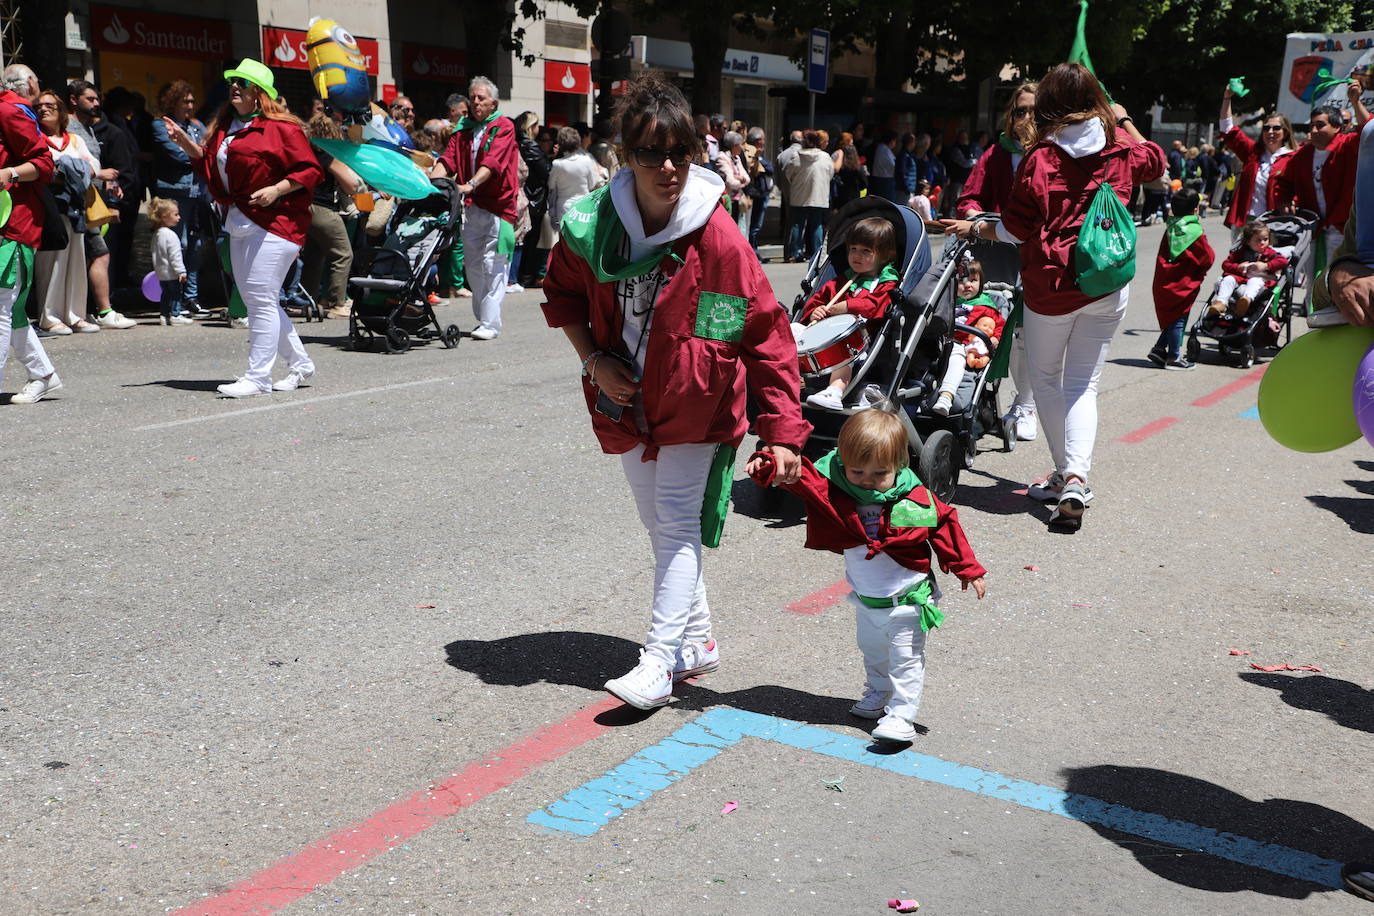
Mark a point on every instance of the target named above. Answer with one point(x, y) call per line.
point(115, 33)
point(283, 52)
point(568, 81)
point(421, 65)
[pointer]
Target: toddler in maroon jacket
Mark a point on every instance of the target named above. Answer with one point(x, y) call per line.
point(863, 501)
point(1251, 268)
point(865, 290)
point(1181, 265)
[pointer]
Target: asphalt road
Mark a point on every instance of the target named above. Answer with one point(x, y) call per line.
point(243, 638)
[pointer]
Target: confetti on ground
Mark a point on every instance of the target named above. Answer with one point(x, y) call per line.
point(1032, 568)
point(424, 607)
point(835, 784)
point(1284, 667)
point(1077, 604)
point(729, 806)
point(1240, 652)
point(903, 906)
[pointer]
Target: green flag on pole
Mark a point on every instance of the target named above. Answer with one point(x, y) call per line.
point(1078, 54)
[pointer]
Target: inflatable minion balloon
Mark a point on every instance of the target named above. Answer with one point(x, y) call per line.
point(337, 66)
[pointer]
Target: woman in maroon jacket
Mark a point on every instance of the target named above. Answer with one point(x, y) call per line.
point(1083, 141)
point(24, 163)
point(260, 166)
point(673, 320)
point(1260, 163)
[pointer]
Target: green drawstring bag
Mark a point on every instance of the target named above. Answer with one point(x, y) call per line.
point(715, 505)
point(1104, 257)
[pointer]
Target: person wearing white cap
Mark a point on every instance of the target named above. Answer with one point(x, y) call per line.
point(259, 164)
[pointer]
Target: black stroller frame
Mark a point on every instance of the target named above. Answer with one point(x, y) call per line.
point(390, 301)
point(1236, 340)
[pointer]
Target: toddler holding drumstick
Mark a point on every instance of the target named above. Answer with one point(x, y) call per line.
point(864, 289)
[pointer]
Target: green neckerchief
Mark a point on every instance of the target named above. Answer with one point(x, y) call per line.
point(832, 468)
point(980, 299)
point(1009, 143)
point(1181, 231)
point(886, 275)
point(466, 122)
point(1324, 81)
point(593, 231)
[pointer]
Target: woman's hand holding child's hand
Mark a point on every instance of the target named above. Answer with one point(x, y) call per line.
point(978, 584)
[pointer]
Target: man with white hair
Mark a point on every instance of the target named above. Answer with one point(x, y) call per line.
point(485, 158)
point(25, 161)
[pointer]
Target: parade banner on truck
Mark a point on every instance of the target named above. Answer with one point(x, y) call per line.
point(1316, 68)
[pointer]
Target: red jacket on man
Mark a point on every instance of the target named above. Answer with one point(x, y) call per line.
point(988, 187)
point(694, 386)
point(833, 523)
point(1248, 151)
point(500, 153)
point(21, 141)
point(1048, 203)
point(870, 304)
point(1176, 283)
point(1294, 183)
point(1273, 262)
point(262, 153)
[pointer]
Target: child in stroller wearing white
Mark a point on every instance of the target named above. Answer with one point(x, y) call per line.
point(972, 308)
point(865, 290)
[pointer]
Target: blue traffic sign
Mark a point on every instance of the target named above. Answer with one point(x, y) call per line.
point(818, 61)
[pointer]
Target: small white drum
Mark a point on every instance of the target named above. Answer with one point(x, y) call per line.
point(831, 344)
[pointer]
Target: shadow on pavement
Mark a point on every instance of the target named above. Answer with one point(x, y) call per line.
point(1133, 363)
point(769, 504)
point(1299, 825)
point(1355, 511)
point(1344, 703)
point(1004, 497)
point(183, 384)
point(588, 660)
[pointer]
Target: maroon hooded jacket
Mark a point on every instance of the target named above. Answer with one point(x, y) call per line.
point(263, 153)
point(21, 141)
point(500, 153)
point(833, 523)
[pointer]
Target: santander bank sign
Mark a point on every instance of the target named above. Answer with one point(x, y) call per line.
point(140, 32)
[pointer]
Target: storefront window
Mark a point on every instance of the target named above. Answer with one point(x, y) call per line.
point(748, 103)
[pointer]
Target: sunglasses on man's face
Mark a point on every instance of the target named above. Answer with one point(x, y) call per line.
point(651, 157)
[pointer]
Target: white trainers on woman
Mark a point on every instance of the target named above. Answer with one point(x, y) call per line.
point(696, 658)
point(646, 686)
point(36, 389)
point(894, 729)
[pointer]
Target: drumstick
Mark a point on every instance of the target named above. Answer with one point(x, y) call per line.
point(843, 289)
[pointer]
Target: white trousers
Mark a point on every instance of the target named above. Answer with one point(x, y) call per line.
point(668, 493)
point(60, 282)
point(1020, 372)
point(1065, 355)
point(260, 261)
point(28, 349)
point(894, 653)
point(1250, 289)
point(7, 302)
point(954, 372)
point(486, 270)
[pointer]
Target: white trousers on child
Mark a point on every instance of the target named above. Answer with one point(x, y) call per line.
point(260, 261)
point(668, 493)
point(1250, 289)
point(894, 652)
point(486, 270)
point(954, 372)
point(1065, 355)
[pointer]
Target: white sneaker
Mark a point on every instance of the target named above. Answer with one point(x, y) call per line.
point(35, 389)
point(114, 320)
point(647, 686)
point(871, 396)
point(241, 388)
point(1050, 488)
point(164, 320)
point(239, 323)
point(180, 319)
point(894, 729)
point(1025, 422)
point(59, 329)
point(483, 333)
point(293, 380)
point(943, 404)
point(1326, 318)
point(873, 704)
point(514, 288)
point(828, 398)
point(696, 658)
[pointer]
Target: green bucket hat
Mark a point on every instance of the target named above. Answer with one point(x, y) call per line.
point(256, 73)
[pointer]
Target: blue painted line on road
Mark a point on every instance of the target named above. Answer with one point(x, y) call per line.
point(1250, 414)
point(588, 808)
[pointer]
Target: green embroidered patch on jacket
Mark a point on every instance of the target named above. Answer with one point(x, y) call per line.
point(721, 317)
point(907, 514)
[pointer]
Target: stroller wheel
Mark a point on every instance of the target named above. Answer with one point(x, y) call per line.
point(1194, 349)
point(452, 335)
point(938, 460)
point(397, 341)
point(1009, 434)
point(1246, 358)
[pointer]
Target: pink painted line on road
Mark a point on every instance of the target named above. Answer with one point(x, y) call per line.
point(324, 860)
point(1225, 391)
point(819, 601)
point(1148, 430)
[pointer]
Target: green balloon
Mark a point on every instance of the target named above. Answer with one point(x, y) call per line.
point(385, 169)
point(1304, 397)
point(6, 207)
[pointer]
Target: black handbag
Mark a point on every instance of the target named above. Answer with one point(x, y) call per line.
point(55, 224)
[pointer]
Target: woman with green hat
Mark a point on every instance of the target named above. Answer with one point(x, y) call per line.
point(259, 165)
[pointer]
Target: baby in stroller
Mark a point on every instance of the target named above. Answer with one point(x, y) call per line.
point(1251, 269)
point(866, 290)
point(976, 309)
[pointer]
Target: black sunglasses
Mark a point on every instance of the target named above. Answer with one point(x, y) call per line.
point(651, 157)
point(1278, 127)
point(1023, 111)
point(238, 82)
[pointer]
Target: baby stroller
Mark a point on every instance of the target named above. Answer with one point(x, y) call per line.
point(1238, 339)
point(900, 354)
point(390, 301)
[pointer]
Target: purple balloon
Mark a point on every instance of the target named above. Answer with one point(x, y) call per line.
point(1363, 395)
point(152, 287)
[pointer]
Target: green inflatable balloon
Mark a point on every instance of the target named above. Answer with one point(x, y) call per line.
point(6, 207)
point(384, 169)
point(1304, 397)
